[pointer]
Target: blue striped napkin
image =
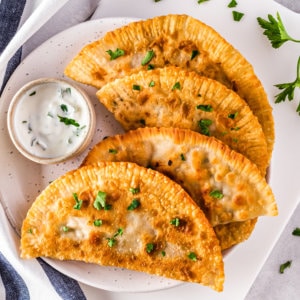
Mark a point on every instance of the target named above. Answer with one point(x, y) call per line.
point(33, 279)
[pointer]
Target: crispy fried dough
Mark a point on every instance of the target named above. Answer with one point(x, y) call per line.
point(178, 40)
point(201, 165)
point(166, 234)
point(173, 97)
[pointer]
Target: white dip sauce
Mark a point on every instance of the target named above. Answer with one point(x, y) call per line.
point(51, 119)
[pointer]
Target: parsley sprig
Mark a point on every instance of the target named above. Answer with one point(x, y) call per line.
point(288, 89)
point(275, 30)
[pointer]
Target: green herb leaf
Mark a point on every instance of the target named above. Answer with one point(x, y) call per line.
point(134, 204)
point(232, 4)
point(182, 157)
point(115, 54)
point(175, 222)
point(194, 54)
point(78, 202)
point(113, 151)
point(64, 107)
point(148, 57)
point(233, 116)
point(296, 231)
point(237, 16)
point(176, 86)
point(204, 126)
point(207, 108)
point(163, 253)
point(149, 247)
point(150, 67)
point(192, 256)
point(275, 31)
point(152, 83)
point(134, 190)
point(284, 266)
point(112, 241)
point(32, 93)
point(216, 194)
point(288, 89)
point(202, 1)
point(65, 228)
point(136, 87)
point(98, 222)
point(100, 201)
point(68, 121)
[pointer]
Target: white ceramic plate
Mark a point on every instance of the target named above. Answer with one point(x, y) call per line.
point(22, 180)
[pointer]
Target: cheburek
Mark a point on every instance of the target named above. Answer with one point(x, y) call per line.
point(227, 186)
point(124, 215)
point(178, 40)
point(173, 97)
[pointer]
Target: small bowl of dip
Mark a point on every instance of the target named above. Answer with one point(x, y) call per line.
point(51, 120)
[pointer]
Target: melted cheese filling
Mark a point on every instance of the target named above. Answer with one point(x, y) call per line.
point(78, 229)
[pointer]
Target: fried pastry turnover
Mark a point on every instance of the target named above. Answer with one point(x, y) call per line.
point(124, 215)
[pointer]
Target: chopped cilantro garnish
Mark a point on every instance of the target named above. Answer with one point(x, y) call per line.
point(216, 194)
point(182, 157)
point(68, 121)
point(64, 107)
point(98, 222)
point(149, 247)
point(194, 54)
point(112, 241)
point(205, 107)
point(65, 228)
point(134, 204)
point(296, 231)
point(192, 256)
point(134, 190)
point(237, 16)
point(176, 86)
point(66, 91)
point(113, 151)
point(32, 93)
point(136, 87)
point(163, 253)
point(232, 4)
point(78, 202)
point(284, 266)
point(150, 67)
point(152, 83)
point(233, 115)
point(202, 1)
point(115, 54)
point(149, 55)
point(204, 126)
point(100, 201)
point(175, 222)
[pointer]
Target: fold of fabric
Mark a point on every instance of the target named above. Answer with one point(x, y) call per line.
point(10, 15)
point(34, 279)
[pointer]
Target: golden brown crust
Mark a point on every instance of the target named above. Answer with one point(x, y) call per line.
point(234, 233)
point(201, 165)
point(174, 38)
point(173, 97)
point(141, 239)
